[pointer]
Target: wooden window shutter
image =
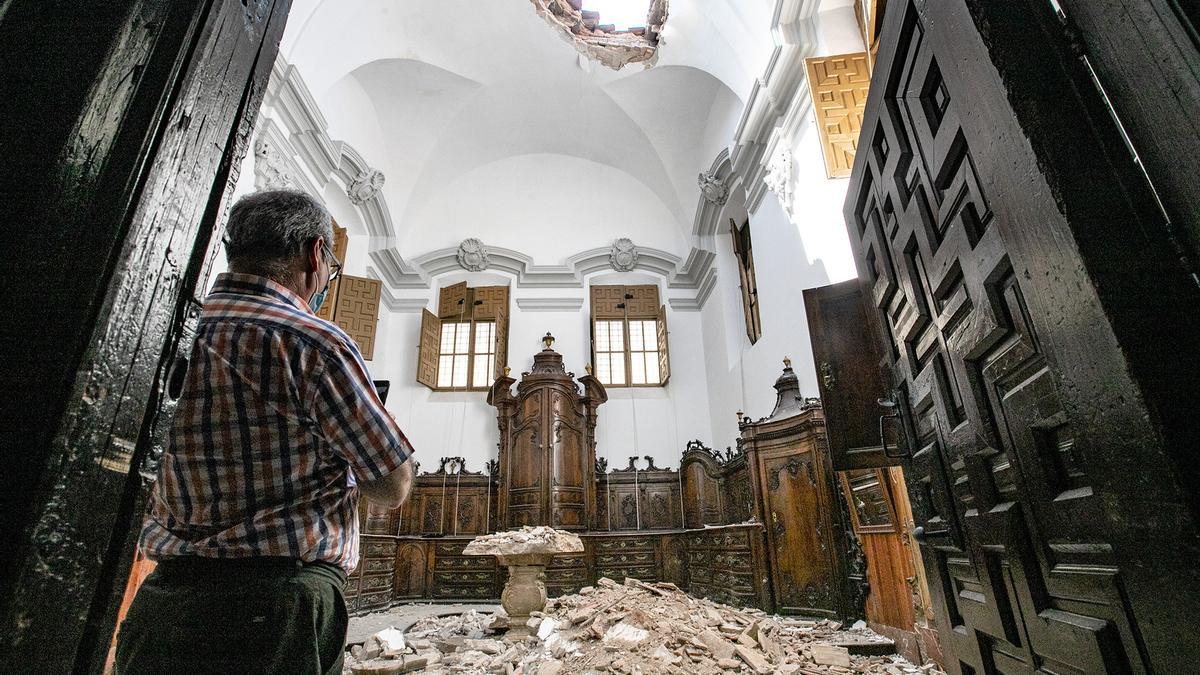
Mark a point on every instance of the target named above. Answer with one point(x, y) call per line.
point(501, 316)
point(329, 308)
point(644, 303)
point(452, 302)
point(742, 251)
point(491, 300)
point(664, 358)
point(606, 302)
point(357, 311)
point(341, 241)
point(427, 356)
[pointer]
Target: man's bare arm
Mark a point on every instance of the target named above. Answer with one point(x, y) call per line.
point(390, 491)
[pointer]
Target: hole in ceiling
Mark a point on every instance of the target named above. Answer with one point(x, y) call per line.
point(620, 14)
point(613, 32)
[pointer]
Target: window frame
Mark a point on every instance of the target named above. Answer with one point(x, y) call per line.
point(471, 354)
point(473, 306)
point(654, 318)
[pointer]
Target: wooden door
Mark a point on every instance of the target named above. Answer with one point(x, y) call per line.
point(855, 393)
point(525, 495)
point(800, 534)
point(1050, 519)
point(568, 460)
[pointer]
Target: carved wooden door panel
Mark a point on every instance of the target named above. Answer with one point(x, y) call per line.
point(800, 535)
point(525, 472)
point(568, 457)
point(1020, 551)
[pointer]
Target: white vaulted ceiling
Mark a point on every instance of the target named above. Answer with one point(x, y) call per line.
point(464, 102)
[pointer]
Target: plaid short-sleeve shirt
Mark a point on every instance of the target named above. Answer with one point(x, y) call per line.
point(276, 419)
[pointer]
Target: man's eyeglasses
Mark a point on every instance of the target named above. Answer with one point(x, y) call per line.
point(335, 267)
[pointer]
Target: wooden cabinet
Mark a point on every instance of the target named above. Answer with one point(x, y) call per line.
point(376, 569)
point(463, 577)
point(796, 496)
point(547, 445)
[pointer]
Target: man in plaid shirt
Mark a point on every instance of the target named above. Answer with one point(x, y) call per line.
point(254, 516)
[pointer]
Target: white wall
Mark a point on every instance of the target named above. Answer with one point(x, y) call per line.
point(741, 375)
point(443, 424)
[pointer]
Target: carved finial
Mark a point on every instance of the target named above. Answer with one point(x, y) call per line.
point(507, 370)
point(588, 368)
point(548, 340)
point(740, 414)
point(787, 363)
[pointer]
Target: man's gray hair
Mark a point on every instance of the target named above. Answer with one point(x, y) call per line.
point(268, 230)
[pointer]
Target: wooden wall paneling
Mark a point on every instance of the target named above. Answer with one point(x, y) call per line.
point(839, 86)
point(358, 311)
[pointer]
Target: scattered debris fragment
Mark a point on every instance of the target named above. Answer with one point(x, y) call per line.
point(627, 629)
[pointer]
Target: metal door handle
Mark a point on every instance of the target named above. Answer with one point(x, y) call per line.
point(892, 405)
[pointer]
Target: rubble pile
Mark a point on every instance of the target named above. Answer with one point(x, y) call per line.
point(631, 628)
point(527, 540)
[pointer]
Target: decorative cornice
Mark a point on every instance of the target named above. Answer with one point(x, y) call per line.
point(778, 100)
point(550, 304)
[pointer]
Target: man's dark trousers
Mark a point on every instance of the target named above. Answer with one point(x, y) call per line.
point(254, 615)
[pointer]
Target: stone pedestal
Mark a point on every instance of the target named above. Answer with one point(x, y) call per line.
point(526, 553)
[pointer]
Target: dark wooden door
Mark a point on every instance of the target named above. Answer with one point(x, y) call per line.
point(855, 392)
point(1055, 534)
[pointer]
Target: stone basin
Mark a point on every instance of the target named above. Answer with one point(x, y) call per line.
point(526, 553)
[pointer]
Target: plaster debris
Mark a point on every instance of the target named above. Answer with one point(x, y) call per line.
point(527, 540)
point(630, 628)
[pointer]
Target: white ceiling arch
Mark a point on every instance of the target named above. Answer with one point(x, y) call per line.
point(448, 86)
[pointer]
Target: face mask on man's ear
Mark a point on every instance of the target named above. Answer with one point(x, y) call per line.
point(318, 298)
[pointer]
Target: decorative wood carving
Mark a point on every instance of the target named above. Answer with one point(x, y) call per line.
point(547, 445)
point(839, 87)
point(796, 496)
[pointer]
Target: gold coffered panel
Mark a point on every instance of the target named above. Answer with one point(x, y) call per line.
point(839, 87)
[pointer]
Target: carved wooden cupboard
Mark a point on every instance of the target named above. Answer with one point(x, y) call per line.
point(547, 445)
point(814, 564)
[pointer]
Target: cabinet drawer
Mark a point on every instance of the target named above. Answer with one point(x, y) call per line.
point(376, 584)
point(464, 577)
point(561, 561)
point(467, 592)
point(375, 565)
point(564, 576)
point(378, 549)
point(464, 563)
point(374, 600)
point(633, 543)
point(646, 573)
point(450, 548)
point(633, 558)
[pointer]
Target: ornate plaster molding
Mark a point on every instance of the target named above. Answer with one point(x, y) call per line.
point(472, 255)
point(713, 188)
point(550, 304)
point(623, 255)
point(365, 186)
